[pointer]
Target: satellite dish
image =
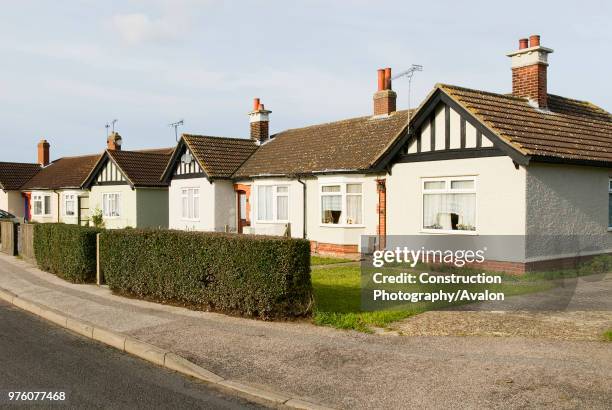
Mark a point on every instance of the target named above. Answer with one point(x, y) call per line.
point(187, 158)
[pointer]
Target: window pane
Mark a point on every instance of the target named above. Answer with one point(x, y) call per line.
point(264, 203)
point(47, 205)
point(353, 188)
point(449, 211)
point(196, 204)
point(282, 189)
point(353, 209)
point(185, 205)
point(464, 184)
point(435, 185)
point(282, 208)
point(330, 188)
point(331, 209)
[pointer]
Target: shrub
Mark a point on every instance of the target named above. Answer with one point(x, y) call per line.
point(256, 276)
point(69, 251)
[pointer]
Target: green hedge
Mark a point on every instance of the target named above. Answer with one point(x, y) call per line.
point(255, 276)
point(69, 251)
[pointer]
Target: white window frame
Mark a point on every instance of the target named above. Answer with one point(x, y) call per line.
point(118, 205)
point(275, 195)
point(342, 183)
point(192, 193)
point(609, 200)
point(41, 197)
point(447, 190)
point(65, 199)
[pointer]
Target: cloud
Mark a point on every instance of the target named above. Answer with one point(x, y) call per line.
point(138, 28)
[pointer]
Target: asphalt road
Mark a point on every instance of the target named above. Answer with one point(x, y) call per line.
point(38, 356)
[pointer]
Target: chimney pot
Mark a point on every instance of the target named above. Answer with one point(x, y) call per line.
point(523, 43)
point(255, 104)
point(43, 152)
point(534, 40)
point(385, 98)
point(381, 79)
point(388, 78)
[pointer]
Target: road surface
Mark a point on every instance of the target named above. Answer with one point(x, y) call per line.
point(39, 356)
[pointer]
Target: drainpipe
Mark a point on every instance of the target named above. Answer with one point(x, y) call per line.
point(304, 205)
point(58, 205)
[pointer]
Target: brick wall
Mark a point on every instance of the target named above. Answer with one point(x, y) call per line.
point(530, 82)
point(259, 130)
point(332, 249)
point(384, 102)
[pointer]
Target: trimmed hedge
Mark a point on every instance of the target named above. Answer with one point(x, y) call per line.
point(68, 251)
point(248, 275)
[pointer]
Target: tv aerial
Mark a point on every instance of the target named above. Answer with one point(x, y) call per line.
point(175, 125)
point(408, 74)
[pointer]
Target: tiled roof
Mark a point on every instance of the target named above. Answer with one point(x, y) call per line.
point(354, 144)
point(14, 174)
point(568, 130)
point(142, 168)
point(67, 172)
point(219, 156)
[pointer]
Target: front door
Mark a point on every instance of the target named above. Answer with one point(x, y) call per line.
point(243, 217)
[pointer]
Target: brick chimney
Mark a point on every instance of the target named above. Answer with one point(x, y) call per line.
point(113, 142)
point(385, 97)
point(529, 64)
point(259, 121)
point(43, 152)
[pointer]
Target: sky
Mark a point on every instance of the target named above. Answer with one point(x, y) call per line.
point(69, 67)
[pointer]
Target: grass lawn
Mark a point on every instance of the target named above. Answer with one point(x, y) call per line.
point(337, 292)
point(607, 336)
point(324, 260)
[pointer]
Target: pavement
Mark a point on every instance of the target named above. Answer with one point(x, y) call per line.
point(39, 356)
point(343, 369)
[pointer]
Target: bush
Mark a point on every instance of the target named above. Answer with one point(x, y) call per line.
point(69, 251)
point(256, 276)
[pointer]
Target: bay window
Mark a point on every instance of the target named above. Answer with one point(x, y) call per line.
point(70, 204)
point(341, 204)
point(190, 200)
point(273, 203)
point(111, 205)
point(41, 204)
point(449, 204)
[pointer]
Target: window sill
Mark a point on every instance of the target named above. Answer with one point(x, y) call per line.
point(272, 222)
point(190, 220)
point(447, 232)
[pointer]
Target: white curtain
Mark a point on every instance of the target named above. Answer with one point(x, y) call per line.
point(331, 208)
point(438, 211)
point(353, 209)
point(282, 207)
point(264, 203)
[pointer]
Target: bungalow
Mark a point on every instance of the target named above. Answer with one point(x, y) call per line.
point(126, 187)
point(55, 193)
point(527, 164)
point(13, 175)
point(201, 192)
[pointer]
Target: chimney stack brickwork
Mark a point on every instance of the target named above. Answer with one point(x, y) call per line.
point(113, 142)
point(259, 122)
point(529, 71)
point(43, 152)
point(385, 98)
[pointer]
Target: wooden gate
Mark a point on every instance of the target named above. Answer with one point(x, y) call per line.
point(26, 242)
point(8, 238)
